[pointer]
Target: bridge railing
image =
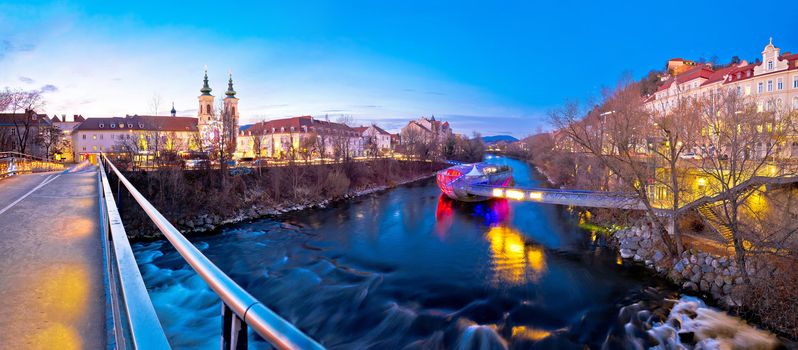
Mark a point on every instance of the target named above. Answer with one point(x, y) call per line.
point(19, 163)
point(239, 308)
point(135, 323)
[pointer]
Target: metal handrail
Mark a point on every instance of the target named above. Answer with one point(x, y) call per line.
point(135, 310)
point(273, 328)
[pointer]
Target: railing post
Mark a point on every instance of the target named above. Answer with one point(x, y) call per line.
point(234, 330)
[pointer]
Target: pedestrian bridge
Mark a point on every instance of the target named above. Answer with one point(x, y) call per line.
point(69, 279)
point(594, 199)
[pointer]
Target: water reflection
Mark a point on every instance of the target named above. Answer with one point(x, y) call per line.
point(514, 261)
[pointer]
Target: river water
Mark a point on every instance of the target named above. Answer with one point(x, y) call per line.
point(408, 268)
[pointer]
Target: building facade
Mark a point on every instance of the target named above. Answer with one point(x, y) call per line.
point(426, 130)
point(376, 141)
point(302, 137)
point(772, 83)
point(136, 135)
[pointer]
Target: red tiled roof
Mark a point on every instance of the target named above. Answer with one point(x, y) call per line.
point(718, 75)
point(310, 123)
point(140, 122)
point(702, 71)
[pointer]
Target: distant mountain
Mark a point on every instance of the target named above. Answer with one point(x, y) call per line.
point(498, 138)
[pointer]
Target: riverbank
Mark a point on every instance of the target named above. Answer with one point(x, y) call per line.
point(198, 203)
point(707, 268)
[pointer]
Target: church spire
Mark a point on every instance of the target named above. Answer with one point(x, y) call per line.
point(206, 89)
point(174, 112)
point(230, 92)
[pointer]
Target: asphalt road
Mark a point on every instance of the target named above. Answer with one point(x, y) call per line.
point(51, 276)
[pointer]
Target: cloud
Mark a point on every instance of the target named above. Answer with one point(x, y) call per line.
point(26, 80)
point(7, 47)
point(49, 88)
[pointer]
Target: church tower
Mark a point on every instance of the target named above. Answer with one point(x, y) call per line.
point(231, 109)
point(207, 123)
point(205, 114)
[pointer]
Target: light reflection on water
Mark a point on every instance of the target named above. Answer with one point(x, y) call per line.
point(409, 268)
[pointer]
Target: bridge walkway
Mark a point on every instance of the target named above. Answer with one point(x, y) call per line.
point(51, 266)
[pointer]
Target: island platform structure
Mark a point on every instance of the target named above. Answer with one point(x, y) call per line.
point(454, 181)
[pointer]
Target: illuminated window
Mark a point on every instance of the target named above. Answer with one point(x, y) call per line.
point(93, 137)
point(94, 148)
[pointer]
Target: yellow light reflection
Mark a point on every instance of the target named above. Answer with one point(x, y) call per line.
point(515, 194)
point(514, 261)
point(536, 196)
point(530, 333)
point(56, 336)
point(498, 192)
point(61, 293)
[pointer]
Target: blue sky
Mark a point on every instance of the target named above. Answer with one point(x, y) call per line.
point(495, 67)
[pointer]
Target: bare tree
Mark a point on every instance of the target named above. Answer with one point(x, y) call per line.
point(742, 140)
point(673, 132)
point(155, 103)
point(22, 104)
point(49, 137)
point(616, 136)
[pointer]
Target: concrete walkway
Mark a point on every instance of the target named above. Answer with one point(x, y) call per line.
point(51, 267)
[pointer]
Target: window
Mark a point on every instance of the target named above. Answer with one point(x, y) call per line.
point(94, 137)
point(130, 126)
point(795, 82)
point(84, 148)
point(770, 85)
point(208, 109)
point(102, 125)
point(84, 136)
point(779, 85)
point(93, 148)
point(760, 87)
point(234, 111)
point(739, 91)
point(113, 125)
point(101, 136)
point(739, 75)
point(770, 65)
point(795, 102)
point(748, 74)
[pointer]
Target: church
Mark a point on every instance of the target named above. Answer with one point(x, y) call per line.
point(144, 136)
point(215, 128)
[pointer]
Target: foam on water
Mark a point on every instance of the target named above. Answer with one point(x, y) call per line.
point(691, 324)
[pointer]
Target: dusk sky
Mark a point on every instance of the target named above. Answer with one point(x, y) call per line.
point(492, 67)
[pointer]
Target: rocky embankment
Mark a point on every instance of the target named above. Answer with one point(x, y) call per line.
point(205, 222)
point(697, 271)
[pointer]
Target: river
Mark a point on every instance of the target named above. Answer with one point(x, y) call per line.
point(407, 268)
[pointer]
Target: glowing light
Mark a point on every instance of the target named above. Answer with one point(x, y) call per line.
point(530, 333)
point(514, 261)
point(701, 181)
point(535, 196)
point(498, 192)
point(515, 194)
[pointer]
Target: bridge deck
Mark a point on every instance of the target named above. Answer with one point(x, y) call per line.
point(595, 199)
point(51, 267)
